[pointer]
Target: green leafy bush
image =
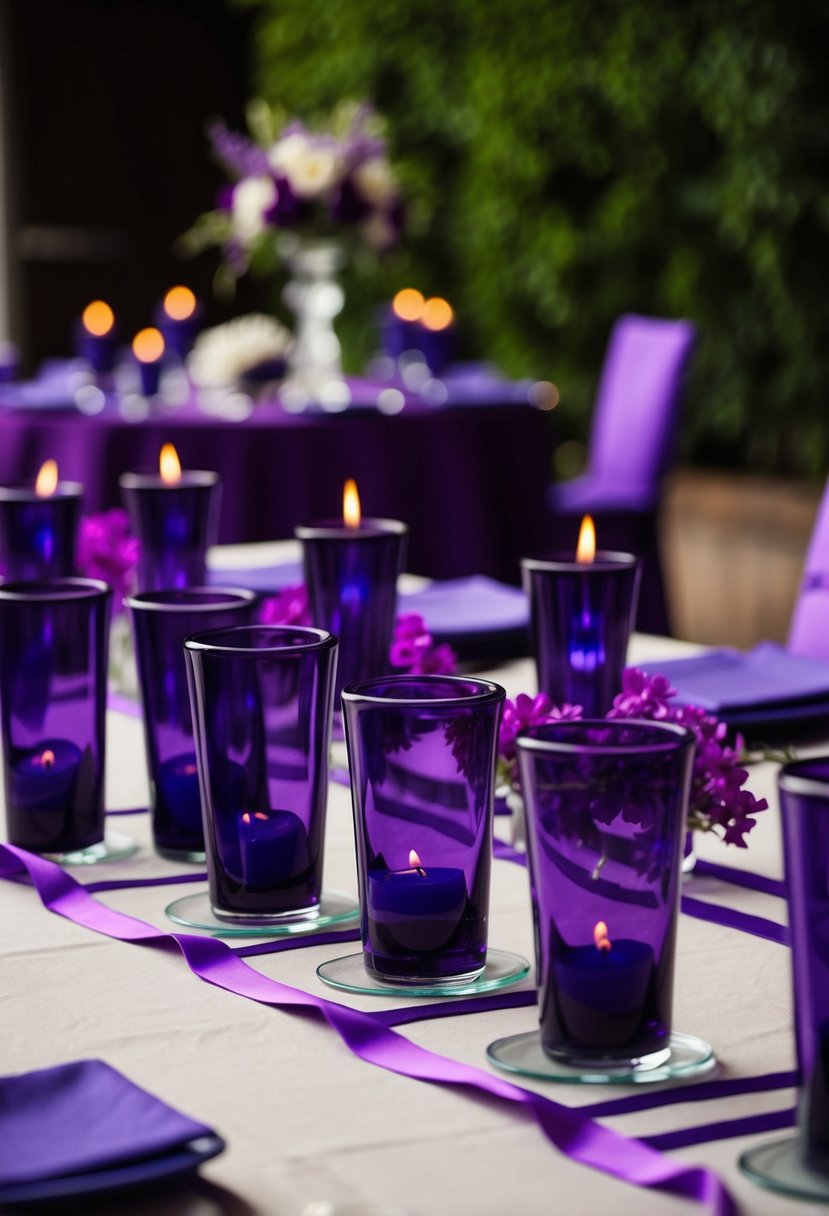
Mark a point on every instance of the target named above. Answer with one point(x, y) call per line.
point(568, 160)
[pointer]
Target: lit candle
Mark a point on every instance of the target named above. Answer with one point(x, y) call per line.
point(42, 796)
point(585, 647)
point(38, 526)
point(437, 339)
point(178, 795)
point(179, 319)
point(401, 325)
point(148, 347)
point(273, 849)
point(415, 910)
point(598, 994)
point(175, 515)
point(95, 336)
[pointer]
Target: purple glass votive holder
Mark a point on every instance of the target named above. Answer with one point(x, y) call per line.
point(606, 805)
point(98, 350)
point(175, 522)
point(161, 620)
point(53, 666)
point(422, 751)
point(38, 534)
point(351, 576)
point(261, 698)
point(582, 617)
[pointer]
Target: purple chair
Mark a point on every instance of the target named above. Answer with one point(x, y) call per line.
point(809, 628)
point(632, 446)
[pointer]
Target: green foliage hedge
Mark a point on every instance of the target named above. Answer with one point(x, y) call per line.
point(569, 160)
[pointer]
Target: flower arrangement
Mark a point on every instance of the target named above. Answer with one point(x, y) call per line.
point(718, 801)
point(320, 182)
point(108, 550)
point(250, 347)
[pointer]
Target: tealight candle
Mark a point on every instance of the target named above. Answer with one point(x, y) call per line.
point(437, 339)
point(38, 526)
point(175, 514)
point(582, 614)
point(415, 909)
point(273, 850)
point(179, 319)
point(148, 348)
point(95, 336)
point(351, 572)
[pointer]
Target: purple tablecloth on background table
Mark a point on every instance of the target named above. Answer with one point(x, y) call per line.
point(468, 479)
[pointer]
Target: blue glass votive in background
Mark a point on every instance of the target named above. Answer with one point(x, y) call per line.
point(351, 575)
point(161, 620)
point(422, 751)
point(582, 614)
point(53, 667)
point(39, 527)
point(179, 317)
point(606, 807)
point(96, 336)
point(261, 699)
point(175, 515)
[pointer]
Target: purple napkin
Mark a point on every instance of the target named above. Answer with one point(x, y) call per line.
point(726, 681)
point(80, 1117)
point(257, 578)
point(466, 606)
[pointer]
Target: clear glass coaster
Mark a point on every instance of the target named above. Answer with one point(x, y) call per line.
point(349, 975)
point(115, 846)
point(523, 1054)
point(780, 1167)
point(195, 911)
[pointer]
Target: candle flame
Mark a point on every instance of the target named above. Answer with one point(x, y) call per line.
point(416, 863)
point(248, 818)
point(47, 479)
point(408, 304)
point(48, 758)
point(351, 504)
point(586, 547)
point(98, 318)
point(179, 303)
point(437, 314)
point(148, 345)
point(169, 465)
point(601, 938)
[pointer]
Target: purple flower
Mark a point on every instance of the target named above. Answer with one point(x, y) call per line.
point(530, 711)
point(108, 550)
point(413, 649)
point(286, 210)
point(642, 696)
point(239, 155)
point(288, 607)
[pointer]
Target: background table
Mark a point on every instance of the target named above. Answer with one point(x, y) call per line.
point(304, 1119)
point(469, 480)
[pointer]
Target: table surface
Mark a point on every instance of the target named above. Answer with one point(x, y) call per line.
point(306, 1120)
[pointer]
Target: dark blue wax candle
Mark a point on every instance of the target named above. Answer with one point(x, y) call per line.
point(148, 348)
point(416, 910)
point(41, 796)
point(598, 995)
point(273, 849)
point(177, 794)
point(38, 527)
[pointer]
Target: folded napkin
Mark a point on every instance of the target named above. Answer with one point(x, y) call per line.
point(461, 607)
point(80, 1117)
point(729, 681)
point(257, 578)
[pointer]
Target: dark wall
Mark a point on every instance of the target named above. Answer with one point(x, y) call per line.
point(107, 103)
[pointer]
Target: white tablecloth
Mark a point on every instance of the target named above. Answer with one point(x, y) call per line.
point(304, 1119)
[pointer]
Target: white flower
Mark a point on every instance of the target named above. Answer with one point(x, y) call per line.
point(311, 167)
point(286, 151)
point(375, 181)
point(251, 199)
point(221, 356)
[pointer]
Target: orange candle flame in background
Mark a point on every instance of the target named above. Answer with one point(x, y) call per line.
point(47, 479)
point(408, 304)
point(98, 318)
point(148, 345)
point(437, 314)
point(169, 465)
point(586, 547)
point(179, 303)
point(351, 504)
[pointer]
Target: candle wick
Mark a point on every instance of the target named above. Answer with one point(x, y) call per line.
point(419, 870)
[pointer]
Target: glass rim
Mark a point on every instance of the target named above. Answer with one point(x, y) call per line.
point(191, 479)
point(318, 639)
point(332, 529)
point(487, 691)
point(54, 590)
point(153, 601)
point(605, 559)
point(23, 493)
point(675, 736)
point(792, 780)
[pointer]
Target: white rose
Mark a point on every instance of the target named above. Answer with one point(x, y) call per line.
point(314, 171)
point(222, 355)
point(285, 152)
point(375, 181)
point(251, 199)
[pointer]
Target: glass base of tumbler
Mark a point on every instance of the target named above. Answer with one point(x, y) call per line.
point(687, 1056)
point(115, 846)
point(780, 1167)
point(192, 857)
point(349, 975)
point(196, 912)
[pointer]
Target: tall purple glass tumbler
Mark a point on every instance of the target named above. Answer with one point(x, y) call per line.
point(175, 522)
point(606, 807)
point(261, 699)
point(161, 620)
point(582, 615)
point(422, 754)
point(38, 533)
point(53, 663)
point(351, 575)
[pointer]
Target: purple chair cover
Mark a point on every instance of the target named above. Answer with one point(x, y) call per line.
point(809, 629)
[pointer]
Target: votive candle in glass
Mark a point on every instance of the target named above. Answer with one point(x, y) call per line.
point(351, 571)
point(39, 527)
point(606, 805)
point(179, 319)
point(53, 669)
point(582, 613)
point(261, 699)
point(161, 620)
point(95, 336)
point(175, 515)
point(422, 752)
point(148, 350)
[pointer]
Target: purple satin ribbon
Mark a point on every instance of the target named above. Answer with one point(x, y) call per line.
point(211, 960)
point(122, 884)
point(123, 705)
point(741, 878)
